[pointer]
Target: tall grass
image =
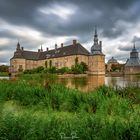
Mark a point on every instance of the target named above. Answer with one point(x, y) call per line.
point(53, 111)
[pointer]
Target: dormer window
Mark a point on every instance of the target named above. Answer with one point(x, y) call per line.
point(48, 55)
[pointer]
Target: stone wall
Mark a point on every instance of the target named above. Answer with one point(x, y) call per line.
point(132, 70)
point(66, 61)
point(30, 64)
point(96, 64)
point(17, 64)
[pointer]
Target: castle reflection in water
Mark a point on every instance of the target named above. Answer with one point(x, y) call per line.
point(90, 83)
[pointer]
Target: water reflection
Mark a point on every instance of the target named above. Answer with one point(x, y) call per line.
point(127, 80)
point(87, 83)
point(90, 83)
point(4, 77)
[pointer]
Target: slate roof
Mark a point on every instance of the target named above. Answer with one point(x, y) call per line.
point(112, 60)
point(76, 49)
point(133, 62)
point(134, 59)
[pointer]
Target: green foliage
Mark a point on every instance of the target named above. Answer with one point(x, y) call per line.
point(35, 70)
point(116, 67)
point(50, 63)
point(46, 64)
point(76, 69)
point(52, 70)
point(84, 66)
point(63, 70)
point(76, 60)
point(45, 112)
point(4, 68)
point(79, 68)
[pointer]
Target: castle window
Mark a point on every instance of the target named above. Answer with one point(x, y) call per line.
point(48, 55)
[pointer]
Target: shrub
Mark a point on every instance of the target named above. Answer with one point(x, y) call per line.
point(63, 70)
point(79, 68)
point(35, 70)
point(52, 70)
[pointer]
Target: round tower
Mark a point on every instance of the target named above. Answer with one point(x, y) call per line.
point(132, 65)
point(96, 58)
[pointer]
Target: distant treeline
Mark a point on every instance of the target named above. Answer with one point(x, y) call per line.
point(4, 68)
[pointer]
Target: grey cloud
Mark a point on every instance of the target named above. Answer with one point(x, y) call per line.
point(104, 14)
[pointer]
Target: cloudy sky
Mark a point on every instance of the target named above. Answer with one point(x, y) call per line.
point(46, 22)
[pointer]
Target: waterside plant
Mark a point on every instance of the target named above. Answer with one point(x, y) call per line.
point(53, 111)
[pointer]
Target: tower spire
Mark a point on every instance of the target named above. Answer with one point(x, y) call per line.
point(96, 30)
point(41, 48)
point(18, 46)
point(95, 36)
point(134, 45)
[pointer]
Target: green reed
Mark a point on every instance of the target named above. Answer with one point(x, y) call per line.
point(50, 111)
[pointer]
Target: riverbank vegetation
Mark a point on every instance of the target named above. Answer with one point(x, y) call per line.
point(51, 111)
point(78, 68)
point(4, 70)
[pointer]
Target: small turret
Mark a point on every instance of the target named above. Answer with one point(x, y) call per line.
point(41, 49)
point(18, 46)
point(55, 46)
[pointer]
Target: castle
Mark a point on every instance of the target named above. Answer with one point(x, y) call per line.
point(59, 57)
point(132, 65)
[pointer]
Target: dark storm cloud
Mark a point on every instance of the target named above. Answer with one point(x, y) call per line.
point(106, 14)
point(26, 13)
point(135, 41)
point(125, 48)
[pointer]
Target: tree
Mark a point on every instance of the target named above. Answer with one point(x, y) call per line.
point(46, 64)
point(50, 63)
point(76, 60)
point(85, 66)
point(52, 70)
point(79, 68)
point(4, 68)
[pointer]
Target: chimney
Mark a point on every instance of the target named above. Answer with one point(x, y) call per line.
point(22, 48)
point(55, 46)
point(74, 42)
point(38, 50)
point(47, 49)
point(100, 43)
point(61, 45)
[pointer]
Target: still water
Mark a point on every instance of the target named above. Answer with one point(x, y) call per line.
point(90, 83)
point(4, 77)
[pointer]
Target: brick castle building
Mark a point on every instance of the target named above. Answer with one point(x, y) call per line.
point(59, 57)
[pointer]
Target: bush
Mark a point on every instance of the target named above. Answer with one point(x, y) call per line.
point(35, 70)
point(79, 68)
point(63, 70)
point(52, 70)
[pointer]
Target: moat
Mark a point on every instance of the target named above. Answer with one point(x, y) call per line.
point(89, 83)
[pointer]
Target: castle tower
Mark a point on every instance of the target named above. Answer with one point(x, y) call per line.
point(17, 62)
point(132, 65)
point(96, 58)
